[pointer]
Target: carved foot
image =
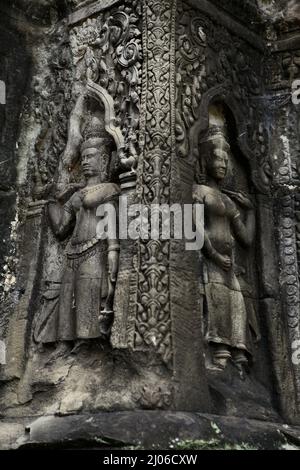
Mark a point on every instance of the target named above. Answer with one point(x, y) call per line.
point(241, 370)
point(220, 363)
point(240, 361)
point(80, 345)
point(62, 350)
point(105, 323)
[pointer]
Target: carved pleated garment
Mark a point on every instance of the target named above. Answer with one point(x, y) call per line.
point(71, 310)
point(229, 314)
point(83, 288)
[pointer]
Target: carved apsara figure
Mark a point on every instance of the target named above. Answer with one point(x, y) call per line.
point(82, 308)
point(227, 319)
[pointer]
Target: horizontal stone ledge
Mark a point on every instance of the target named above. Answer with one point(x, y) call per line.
point(90, 10)
point(286, 45)
point(146, 429)
point(229, 22)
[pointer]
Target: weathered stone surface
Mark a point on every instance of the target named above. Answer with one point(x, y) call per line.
point(148, 430)
point(170, 102)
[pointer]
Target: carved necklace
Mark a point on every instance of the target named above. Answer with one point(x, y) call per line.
point(92, 189)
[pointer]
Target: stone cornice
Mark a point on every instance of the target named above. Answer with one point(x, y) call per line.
point(90, 10)
point(288, 44)
point(208, 8)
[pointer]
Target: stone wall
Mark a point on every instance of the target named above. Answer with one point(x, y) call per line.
point(158, 69)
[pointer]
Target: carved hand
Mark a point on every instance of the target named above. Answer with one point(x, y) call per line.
point(42, 192)
point(64, 195)
point(242, 200)
point(224, 262)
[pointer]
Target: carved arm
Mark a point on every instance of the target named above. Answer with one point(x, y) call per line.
point(61, 219)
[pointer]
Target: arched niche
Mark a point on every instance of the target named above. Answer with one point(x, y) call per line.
point(241, 178)
point(220, 95)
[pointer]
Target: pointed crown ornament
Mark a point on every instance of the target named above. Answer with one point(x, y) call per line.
point(95, 135)
point(214, 133)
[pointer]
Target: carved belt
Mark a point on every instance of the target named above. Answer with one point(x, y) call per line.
point(75, 251)
point(74, 260)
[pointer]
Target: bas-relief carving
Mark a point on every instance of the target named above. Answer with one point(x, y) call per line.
point(215, 64)
point(97, 142)
point(236, 81)
point(229, 316)
point(107, 53)
point(283, 69)
point(153, 316)
point(107, 50)
point(83, 305)
point(207, 73)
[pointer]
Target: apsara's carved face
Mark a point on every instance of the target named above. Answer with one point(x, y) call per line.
point(91, 162)
point(217, 163)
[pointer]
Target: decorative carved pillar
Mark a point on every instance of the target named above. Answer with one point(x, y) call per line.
point(156, 72)
point(271, 308)
point(126, 49)
point(164, 311)
point(284, 155)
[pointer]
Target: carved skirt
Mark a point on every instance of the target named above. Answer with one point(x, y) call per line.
point(73, 313)
point(227, 311)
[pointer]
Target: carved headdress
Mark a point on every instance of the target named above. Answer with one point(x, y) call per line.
point(95, 135)
point(214, 133)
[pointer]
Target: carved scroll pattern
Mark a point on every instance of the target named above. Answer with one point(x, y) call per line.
point(49, 109)
point(107, 51)
point(289, 278)
point(153, 321)
point(297, 214)
point(210, 56)
point(190, 74)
